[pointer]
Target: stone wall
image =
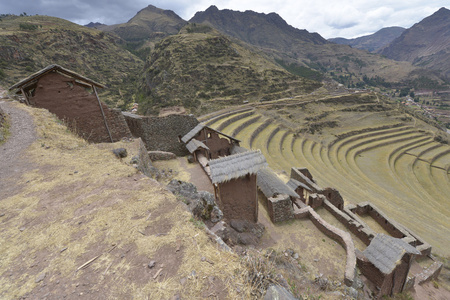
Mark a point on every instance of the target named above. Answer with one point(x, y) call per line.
point(342, 237)
point(280, 208)
point(162, 133)
point(145, 163)
point(392, 227)
point(298, 174)
point(116, 123)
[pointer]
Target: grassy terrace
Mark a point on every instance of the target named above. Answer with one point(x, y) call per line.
point(396, 165)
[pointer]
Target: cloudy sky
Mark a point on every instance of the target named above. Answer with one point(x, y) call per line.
point(330, 18)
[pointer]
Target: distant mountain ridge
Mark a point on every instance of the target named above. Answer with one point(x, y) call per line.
point(148, 24)
point(95, 25)
point(426, 44)
point(253, 28)
point(373, 42)
point(294, 48)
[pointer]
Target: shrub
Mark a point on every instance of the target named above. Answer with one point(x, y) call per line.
point(25, 26)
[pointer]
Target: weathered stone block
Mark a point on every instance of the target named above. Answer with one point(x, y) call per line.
point(280, 208)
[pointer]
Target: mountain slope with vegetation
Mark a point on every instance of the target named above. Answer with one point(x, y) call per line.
point(148, 26)
point(426, 44)
point(373, 42)
point(294, 47)
point(203, 70)
point(30, 43)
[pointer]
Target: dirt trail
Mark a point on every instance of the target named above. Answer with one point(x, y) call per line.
point(12, 161)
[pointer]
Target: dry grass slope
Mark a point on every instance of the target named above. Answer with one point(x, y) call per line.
point(83, 223)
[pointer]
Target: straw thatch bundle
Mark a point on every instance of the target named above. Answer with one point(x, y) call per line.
point(236, 166)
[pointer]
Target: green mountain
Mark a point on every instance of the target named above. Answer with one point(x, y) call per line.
point(30, 43)
point(373, 42)
point(298, 48)
point(426, 44)
point(204, 70)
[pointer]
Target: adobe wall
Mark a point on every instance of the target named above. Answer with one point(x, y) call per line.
point(369, 270)
point(237, 198)
point(78, 107)
point(280, 208)
point(217, 146)
point(162, 133)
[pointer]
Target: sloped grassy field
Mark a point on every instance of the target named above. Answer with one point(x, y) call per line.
point(368, 150)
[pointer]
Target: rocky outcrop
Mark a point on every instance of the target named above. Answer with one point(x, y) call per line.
point(239, 232)
point(202, 204)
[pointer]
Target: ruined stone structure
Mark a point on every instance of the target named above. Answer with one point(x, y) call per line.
point(74, 99)
point(303, 183)
point(161, 133)
point(386, 263)
point(280, 197)
point(387, 259)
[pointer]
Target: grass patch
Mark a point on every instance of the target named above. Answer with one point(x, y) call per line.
point(4, 128)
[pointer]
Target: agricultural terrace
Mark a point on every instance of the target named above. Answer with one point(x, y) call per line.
point(364, 146)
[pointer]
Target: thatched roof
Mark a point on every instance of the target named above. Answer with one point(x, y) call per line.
point(54, 68)
point(271, 185)
point(193, 145)
point(238, 149)
point(385, 252)
point(194, 131)
point(236, 166)
point(295, 184)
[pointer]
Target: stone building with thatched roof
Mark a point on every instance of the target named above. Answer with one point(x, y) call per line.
point(73, 99)
point(234, 180)
point(213, 143)
point(386, 263)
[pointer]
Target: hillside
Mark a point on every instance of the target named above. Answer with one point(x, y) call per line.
point(28, 44)
point(294, 47)
point(149, 25)
point(203, 70)
point(426, 44)
point(373, 42)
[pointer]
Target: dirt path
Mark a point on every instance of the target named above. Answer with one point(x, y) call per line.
point(12, 161)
